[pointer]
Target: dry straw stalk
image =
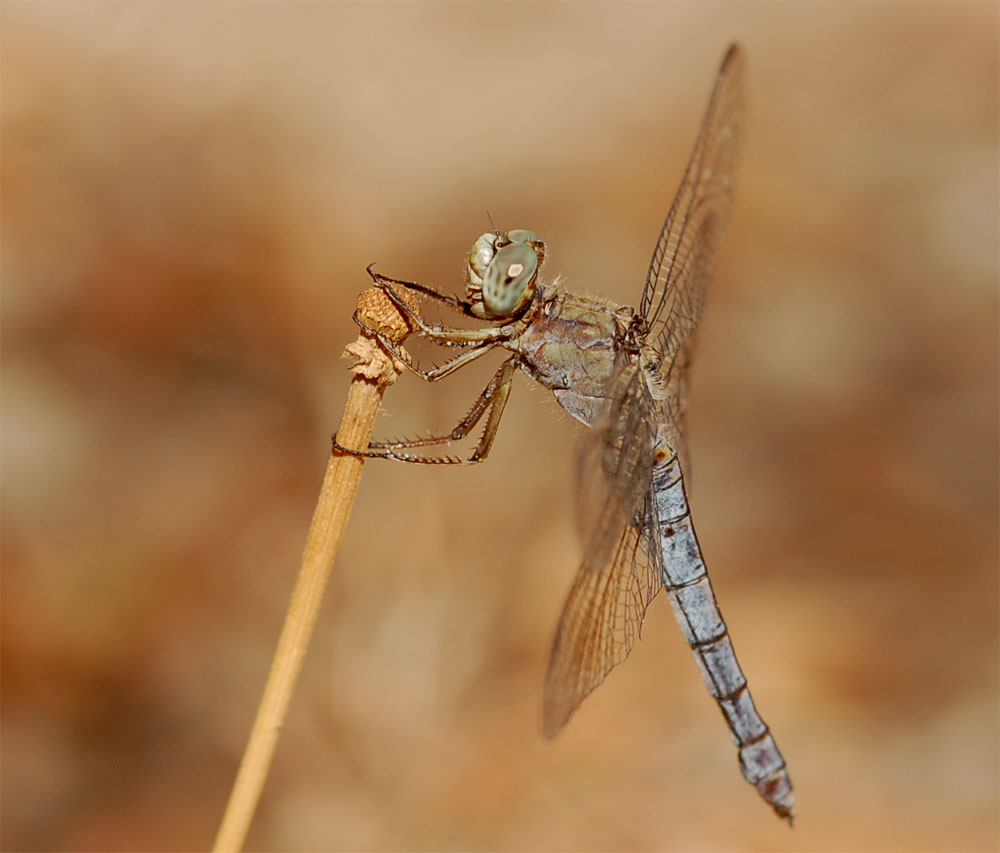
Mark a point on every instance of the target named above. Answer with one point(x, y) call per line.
point(374, 371)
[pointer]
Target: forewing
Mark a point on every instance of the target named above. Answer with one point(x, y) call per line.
point(674, 295)
point(603, 613)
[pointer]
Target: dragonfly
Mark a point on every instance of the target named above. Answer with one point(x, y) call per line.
point(624, 373)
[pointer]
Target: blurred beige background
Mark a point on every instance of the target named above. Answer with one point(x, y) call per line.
point(191, 193)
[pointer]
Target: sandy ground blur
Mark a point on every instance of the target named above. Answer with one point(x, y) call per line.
point(191, 193)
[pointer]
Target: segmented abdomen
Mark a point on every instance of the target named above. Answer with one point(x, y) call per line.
point(690, 591)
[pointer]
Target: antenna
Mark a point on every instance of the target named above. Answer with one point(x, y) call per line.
point(493, 224)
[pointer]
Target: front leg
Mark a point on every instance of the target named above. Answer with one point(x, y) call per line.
point(444, 334)
point(459, 305)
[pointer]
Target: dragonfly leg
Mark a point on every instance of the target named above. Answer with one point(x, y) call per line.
point(450, 366)
point(445, 334)
point(491, 401)
point(434, 373)
point(459, 305)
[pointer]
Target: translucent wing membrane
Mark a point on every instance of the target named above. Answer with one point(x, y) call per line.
point(614, 465)
point(674, 294)
point(599, 626)
point(603, 614)
point(675, 406)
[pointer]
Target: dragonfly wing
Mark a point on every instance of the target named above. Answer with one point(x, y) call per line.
point(675, 407)
point(600, 623)
point(614, 464)
point(603, 613)
point(674, 294)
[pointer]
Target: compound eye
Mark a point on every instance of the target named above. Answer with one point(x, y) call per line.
point(520, 235)
point(479, 258)
point(510, 280)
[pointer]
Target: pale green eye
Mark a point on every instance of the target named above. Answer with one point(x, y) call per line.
point(479, 258)
point(521, 235)
point(502, 272)
point(507, 278)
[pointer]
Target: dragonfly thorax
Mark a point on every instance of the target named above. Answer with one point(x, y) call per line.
point(502, 273)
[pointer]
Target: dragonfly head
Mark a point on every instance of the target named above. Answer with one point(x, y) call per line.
point(502, 274)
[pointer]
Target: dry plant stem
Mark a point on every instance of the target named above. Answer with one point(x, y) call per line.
point(373, 373)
